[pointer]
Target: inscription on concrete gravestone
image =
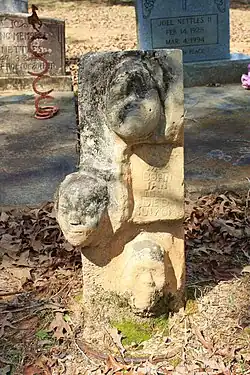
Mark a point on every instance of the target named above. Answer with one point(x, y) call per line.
point(154, 187)
point(199, 27)
point(15, 33)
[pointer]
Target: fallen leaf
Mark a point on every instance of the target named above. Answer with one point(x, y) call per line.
point(112, 364)
point(117, 338)
point(23, 259)
point(9, 244)
point(33, 370)
point(246, 269)
point(5, 370)
point(37, 245)
point(212, 364)
point(21, 273)
point(4, 217)
point(59, 326)
point(5, 323)
point(228, 226)
point(67, 246)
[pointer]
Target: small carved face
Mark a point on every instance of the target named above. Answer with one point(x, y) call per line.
point(145, 276)
point(81, 204)
point(149, 282)
point(133, 105)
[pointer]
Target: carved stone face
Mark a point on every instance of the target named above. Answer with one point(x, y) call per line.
point(144, 278)
point(81, 204)
point(133, 106)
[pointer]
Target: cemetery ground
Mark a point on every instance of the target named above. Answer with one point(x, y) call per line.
point(41, 300)
point(41, 305)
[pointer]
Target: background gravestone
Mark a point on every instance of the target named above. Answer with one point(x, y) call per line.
point(15, 33)
point(14, 6)
point(199, 27)
point(34, 156)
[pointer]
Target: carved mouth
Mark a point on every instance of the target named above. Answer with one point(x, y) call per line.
point(80, 230)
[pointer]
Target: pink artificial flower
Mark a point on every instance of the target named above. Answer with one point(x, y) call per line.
point(245, 79)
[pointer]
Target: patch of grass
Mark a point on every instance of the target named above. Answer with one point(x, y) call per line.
point(137, 332)
point(191, 307)
point(247, 331)
point(43, 335)
point(79, 297)
point(66, 318)
point(133, 332)
point(243, 367)
point(160, 324)
point(175, 361)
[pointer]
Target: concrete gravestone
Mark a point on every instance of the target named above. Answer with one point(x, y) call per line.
point(33, 157)
point(15, 59)
point(15, 33)
point(124, 207)
point(199, 27)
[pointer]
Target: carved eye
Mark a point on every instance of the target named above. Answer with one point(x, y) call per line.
point(63, 206)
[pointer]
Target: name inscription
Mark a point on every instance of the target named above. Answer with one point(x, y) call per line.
point(184, 31)
point(154, 201)
point(15, 58)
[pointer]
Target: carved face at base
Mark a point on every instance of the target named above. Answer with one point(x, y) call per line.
point(133, 104)
point(81, 204)
point(144, 276)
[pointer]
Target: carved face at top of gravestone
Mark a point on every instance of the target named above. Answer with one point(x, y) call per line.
point(81, 203)
point(133, 105)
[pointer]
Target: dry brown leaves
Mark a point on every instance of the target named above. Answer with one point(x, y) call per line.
point(59, 326)
point(112, 367)
point(211, 367)
point(31, 247)
point(36, 258)
point(217, 230)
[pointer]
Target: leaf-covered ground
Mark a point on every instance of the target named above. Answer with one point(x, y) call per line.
point(41, 311)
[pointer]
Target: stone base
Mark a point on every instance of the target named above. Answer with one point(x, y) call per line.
point(58, 83)
point(216, 71)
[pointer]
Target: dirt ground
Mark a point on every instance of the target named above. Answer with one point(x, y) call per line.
point(42, 311)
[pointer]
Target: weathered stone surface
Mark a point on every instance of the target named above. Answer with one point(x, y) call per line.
point(157, 183)
point(58, 83)
point(199, 27)
point(124, 207)
point(15, 32)
point(14, 6)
